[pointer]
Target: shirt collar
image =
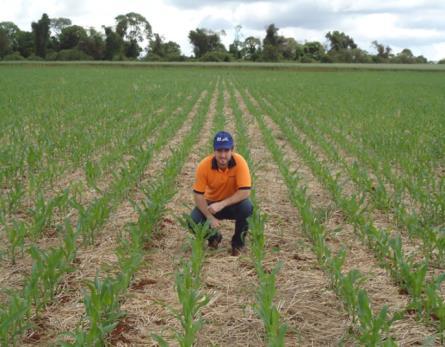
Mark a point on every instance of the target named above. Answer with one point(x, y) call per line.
point(231, 163)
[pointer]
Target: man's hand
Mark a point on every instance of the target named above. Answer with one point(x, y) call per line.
point(216, 207)
point(214, 222)
point(202, 205)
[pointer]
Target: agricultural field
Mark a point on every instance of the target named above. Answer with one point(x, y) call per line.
point(346, 244)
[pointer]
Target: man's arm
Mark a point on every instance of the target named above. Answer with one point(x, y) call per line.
point(238, 196)
point(201, 203)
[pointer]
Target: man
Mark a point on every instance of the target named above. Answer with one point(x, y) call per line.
point(221, 191)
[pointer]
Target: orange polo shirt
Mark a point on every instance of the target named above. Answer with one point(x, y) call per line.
point(217, 184)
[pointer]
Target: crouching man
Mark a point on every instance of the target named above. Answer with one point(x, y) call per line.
point(221, 191)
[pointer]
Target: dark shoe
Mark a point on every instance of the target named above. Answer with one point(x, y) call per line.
point(215, 241)
point(236, 251)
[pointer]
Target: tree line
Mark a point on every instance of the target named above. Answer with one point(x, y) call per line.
point(132, 38)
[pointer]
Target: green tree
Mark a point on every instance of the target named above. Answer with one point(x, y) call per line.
point(133, 28)
point(299, 51)
point(288, 48)
point(272, 38)
point(420, 59)
point(355, 55)
point(172, 51)
point(5, 44)
point(93, 44)
point(8, 35)
point(340, 41)
point(155, 46)
point(270, 53)
point(25, 43)
point(251, 48)
point(406, 56)
point(41, 35)
point(160, 50)
point(313, 51)
point(272, 44)
point(132, 49)
point(204, 41)
point(70, 36)
point(113, 45)
point(383, 53)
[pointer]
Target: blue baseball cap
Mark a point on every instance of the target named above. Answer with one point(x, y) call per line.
point(223, 140)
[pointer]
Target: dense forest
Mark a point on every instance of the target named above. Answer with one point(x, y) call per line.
point(132, 38)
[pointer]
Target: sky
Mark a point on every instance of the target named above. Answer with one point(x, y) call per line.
point(415, 24)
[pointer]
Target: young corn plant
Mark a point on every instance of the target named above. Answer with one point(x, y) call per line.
point(346, 286)
point(149, 210)
point(188, 287)
point(129, 254)
point(102, 310)
point(12, 319)
point(349, 289)
point(435, 305)
point(411, 277)
point(92, 173)
point(266, 309)
point(14, 197)
point(92, 217)
point(41, 215)
point(69, 246)
point(257, 250)
point(49, 267)
point(39, 288)
point(264, 306)
point(373, 328)
point(16, 239)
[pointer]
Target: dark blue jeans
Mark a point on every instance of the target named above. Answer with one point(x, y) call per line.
point(238, 212)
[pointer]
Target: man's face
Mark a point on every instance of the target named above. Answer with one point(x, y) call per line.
point(223, 156)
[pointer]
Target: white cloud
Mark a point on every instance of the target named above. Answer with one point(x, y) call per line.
point(416, 24)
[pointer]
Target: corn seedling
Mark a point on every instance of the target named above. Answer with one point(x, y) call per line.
point(102, 310)
point(373, 329)
point(16, 238)
point(188, 288)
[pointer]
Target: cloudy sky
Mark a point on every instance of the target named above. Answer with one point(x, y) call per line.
point(415, 24)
